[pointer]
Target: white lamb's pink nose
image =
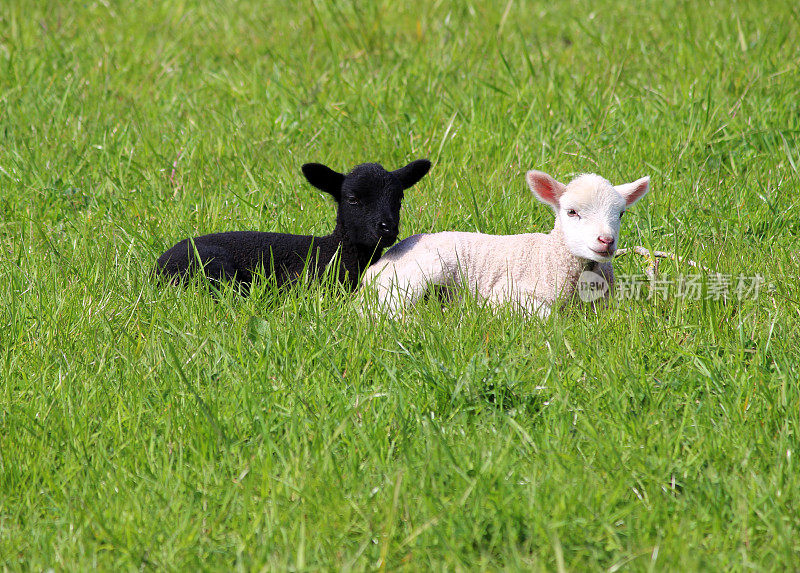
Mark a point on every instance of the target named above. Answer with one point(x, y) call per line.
point(606, 239)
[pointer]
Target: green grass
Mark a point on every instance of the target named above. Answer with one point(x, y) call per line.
point(147, 427)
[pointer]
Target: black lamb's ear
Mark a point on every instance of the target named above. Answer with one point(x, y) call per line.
point(413, 172)
point(324, 178)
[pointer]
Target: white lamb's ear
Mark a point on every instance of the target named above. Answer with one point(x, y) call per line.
point(546, 189)
point(632, 192)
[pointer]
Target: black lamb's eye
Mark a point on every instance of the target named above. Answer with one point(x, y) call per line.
point(353, 200)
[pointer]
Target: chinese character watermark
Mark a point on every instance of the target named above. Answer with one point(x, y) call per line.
point(717, 287)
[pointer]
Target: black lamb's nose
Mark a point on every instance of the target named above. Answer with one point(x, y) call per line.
point(386, 229)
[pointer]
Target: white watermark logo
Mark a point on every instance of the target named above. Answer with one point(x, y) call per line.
point(591, 286)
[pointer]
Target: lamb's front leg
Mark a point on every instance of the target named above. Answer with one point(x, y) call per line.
point(606, 272)
point(396, 287)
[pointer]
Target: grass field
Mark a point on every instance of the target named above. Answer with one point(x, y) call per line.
point(159, 428)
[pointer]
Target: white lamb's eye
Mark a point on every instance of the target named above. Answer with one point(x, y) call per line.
point(572, 213)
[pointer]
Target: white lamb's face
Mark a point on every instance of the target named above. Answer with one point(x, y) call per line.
point(589, 210)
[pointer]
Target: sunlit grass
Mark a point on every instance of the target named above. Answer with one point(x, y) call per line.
point(143, 426)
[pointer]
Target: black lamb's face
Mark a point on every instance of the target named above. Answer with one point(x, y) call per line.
point(369, 198)
point(369, 209)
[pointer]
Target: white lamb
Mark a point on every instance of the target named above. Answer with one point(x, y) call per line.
point(531, 271)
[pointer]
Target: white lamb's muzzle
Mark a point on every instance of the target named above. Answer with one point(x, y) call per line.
point(602, 252)
point(583, 250)
point(603, 257)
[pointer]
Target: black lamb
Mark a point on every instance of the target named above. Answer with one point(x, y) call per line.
point(367, 222)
